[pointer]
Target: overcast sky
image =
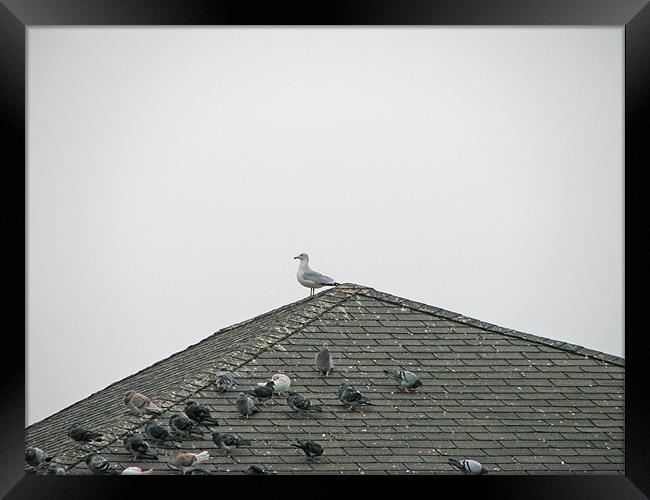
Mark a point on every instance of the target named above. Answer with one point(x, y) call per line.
point(174, 173)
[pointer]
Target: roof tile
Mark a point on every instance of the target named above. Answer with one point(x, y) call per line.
point(516, 402)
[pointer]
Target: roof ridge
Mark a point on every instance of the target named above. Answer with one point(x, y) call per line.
point(484, 325)
point(281, 309)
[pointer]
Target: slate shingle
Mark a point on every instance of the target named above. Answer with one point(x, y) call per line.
point(516, 402)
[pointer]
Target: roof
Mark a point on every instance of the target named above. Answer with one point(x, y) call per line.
point(516, 402)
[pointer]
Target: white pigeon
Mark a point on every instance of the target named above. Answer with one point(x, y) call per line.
point(310, 278)
point(136, 471)
point(282, 383)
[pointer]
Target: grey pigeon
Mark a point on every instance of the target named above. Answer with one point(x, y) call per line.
point(138, 447)
point(200, 414)
point(256, 469)
point(157, 433)
point(224, 380)
point(35, 456)
point(55, 469)
point(181, 426)
point(99, 465)
point(83, 435)
point(323, 360)
point(352, 398)
point(245, 405)
point(138, 404)
point(228, 442)
point(300, 403)
point(196, 471)
point(264, 392)
point(471, 467)
point(310, 448)
point(406, 380)
point(309, 278)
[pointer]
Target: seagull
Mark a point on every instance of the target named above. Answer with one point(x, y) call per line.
point(309, 278)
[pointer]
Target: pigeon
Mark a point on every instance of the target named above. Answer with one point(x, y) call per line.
point(186, 460)
point(302, 404)
point(224, 380)
point(245, 405)
point(55, 469)
point(323, 360)
point(405, 380)
point(309, 278)
point(264, 392)
point(256, 469)
point(349, 396)
point(157, 433)
point(196, 471)
point(138, 447)
point(83, 435)
point(35, 456)
point(200, 414)
point(99, 465)
point(138, 404)
point(282, 383)
point(228, 442)
point(471, 467)
point(310, 448)
point(181, 426)
point(136, 471)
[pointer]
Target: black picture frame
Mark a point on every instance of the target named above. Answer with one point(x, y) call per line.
point(17, 15)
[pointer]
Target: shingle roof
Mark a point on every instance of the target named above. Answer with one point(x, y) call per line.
point(516, 402)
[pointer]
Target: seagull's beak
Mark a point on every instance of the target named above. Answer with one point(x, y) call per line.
point(297, 257)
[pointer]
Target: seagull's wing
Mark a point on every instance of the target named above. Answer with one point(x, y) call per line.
point(317, 277)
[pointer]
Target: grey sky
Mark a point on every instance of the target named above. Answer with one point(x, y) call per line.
point(174, 173)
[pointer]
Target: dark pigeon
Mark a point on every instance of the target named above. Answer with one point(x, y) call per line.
point(83, 435)
point(138, 447)
point(352, 398)
point(310, 448)
point(200, 414)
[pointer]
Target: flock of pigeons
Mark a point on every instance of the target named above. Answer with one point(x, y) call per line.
point(197, 419)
